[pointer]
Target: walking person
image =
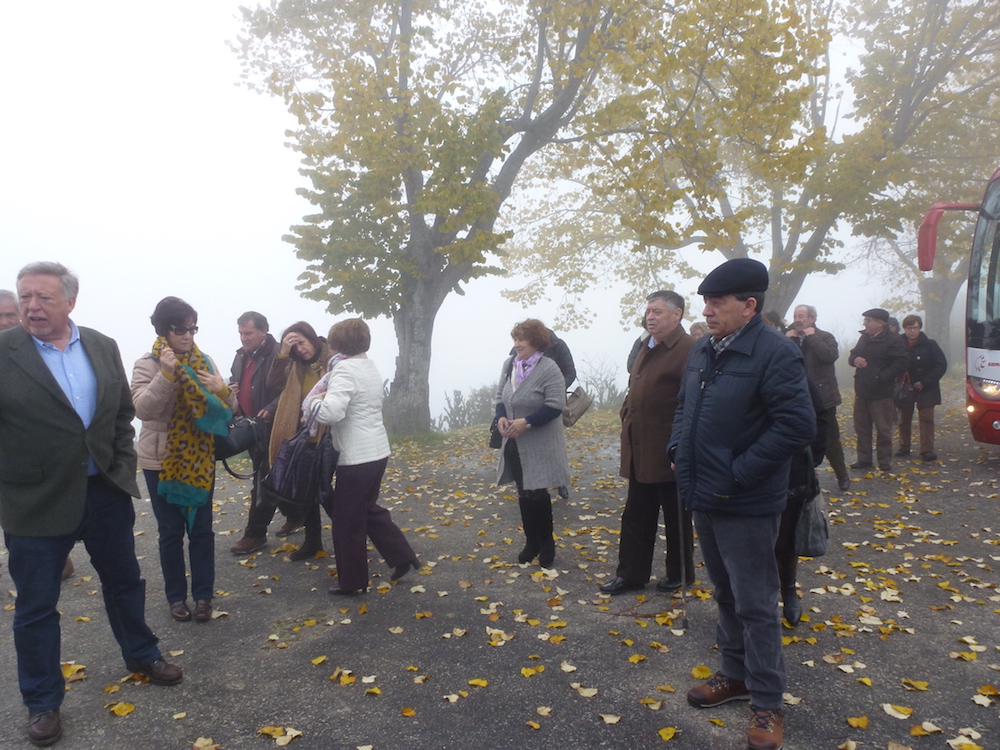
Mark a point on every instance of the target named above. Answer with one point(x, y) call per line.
point(67, 473)
point(530, 399)
point(647, 416)
point(927, 365)
point(183, 403)
point(743, 410)
point(352, 406)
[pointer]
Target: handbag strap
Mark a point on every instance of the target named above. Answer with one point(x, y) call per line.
point(225, 463)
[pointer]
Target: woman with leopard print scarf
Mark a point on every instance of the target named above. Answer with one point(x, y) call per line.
point(183, 403)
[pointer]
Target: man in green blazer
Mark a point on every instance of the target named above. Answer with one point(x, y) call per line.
point(67, 473)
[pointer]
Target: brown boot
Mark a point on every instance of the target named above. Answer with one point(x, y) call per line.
point(248, 544)
point(766, 727)
point(718, 690)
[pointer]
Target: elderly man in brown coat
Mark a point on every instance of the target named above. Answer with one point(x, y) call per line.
point(647, 416)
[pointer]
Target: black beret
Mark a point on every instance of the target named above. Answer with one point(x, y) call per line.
point(877, 313)
point(735, 276)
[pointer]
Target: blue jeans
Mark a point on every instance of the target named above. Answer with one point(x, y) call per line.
point(739, 556)
point(201, 545)
point(36, 563)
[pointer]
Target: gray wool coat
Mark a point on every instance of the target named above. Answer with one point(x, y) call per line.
point(542, 449)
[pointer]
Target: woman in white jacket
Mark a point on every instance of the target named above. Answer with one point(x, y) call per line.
point(352, 405)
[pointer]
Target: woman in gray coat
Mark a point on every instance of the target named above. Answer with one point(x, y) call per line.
point(530, 401)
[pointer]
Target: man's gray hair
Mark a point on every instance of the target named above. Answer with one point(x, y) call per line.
point(810, 311)
point(7, 294)
point(671, 298)
point(67, 279)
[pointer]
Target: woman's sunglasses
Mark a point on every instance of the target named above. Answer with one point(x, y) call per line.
point(180, 330)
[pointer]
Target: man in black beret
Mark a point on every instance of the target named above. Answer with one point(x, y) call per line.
point(878, 358)
point(743, 410)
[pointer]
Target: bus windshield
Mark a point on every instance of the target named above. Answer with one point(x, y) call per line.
point(984, 275)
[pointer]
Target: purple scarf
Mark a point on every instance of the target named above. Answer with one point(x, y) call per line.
point(523, 367)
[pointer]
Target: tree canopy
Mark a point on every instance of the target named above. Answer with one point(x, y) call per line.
point(417, 118)
point(929, 70)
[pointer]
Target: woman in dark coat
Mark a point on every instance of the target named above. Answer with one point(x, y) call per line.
point(927, 366)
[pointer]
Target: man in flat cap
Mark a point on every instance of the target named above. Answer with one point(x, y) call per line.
point(878, 358)
point(743, 410)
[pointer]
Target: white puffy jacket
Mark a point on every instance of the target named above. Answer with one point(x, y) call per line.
point(353, 407)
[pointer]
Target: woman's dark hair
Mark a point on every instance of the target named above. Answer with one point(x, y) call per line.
point(350, 337)
point(171, 312)
point(534, 332)
point(911, 320)
point(309, 332)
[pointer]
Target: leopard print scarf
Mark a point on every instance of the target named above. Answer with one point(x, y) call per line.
point(188, 465)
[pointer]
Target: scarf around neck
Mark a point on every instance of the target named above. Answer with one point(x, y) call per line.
point(523, 367)
point(188, 465)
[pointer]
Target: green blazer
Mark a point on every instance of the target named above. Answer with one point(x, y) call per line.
point(43, 444)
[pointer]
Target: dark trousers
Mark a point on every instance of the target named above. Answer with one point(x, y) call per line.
point(263, 503)
point(640, 520)
point(834, 449)
point(201, 545)
point(357, 517)
point(877, 413)
point(36, 564)
point(784, 547)
point(739, 557)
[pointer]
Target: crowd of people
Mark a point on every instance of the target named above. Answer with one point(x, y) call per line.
point(722, 428)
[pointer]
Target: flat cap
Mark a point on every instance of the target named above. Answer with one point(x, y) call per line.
point(735, 276)
point(877, 313)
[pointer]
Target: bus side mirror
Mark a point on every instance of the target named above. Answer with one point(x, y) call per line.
point(927, 236)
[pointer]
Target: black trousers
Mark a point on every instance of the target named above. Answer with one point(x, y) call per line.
point(639, 525)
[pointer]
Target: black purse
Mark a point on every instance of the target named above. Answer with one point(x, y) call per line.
point(496, 439)
point(302, 472)
point(243, 435)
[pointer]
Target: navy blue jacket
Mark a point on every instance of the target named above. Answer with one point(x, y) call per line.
point(740, 416)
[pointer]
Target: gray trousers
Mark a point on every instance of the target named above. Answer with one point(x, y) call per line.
point(739, 557)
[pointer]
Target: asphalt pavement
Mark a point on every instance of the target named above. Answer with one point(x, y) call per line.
point(476, 651)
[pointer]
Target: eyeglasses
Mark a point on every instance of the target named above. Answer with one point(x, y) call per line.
point(180, 330)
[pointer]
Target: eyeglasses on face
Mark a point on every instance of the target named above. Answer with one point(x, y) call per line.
point(181, 330)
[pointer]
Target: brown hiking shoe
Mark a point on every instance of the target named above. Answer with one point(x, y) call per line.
point(248, 544)
point(766, 726)
point(718, 690)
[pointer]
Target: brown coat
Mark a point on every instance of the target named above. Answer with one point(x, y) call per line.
point(648, 411)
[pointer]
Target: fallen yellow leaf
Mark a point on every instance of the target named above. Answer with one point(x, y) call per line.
point(120, 709)
point(407, 711)
point(701, 672)
point(858, 722)
point(610, 718)
point(478, 682)
point(667, 733)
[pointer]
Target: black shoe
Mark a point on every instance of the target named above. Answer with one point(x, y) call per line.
point(401, 570)
point(337, 591)
point(844, 483)
point(44, 727)
point(861, 465)
point(791, 607)
point(620, 586)
point(666, 586)
point(902, 452)
point(306, 551)
point(885, 467)
point(563, 492)
point(929, 456)
point(547, 552)
point(530, 551)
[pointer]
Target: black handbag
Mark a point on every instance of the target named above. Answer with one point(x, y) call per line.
point(496, 439)
point(902, 389)
point(302, 472)
point(812, 530)
point(243, 435)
